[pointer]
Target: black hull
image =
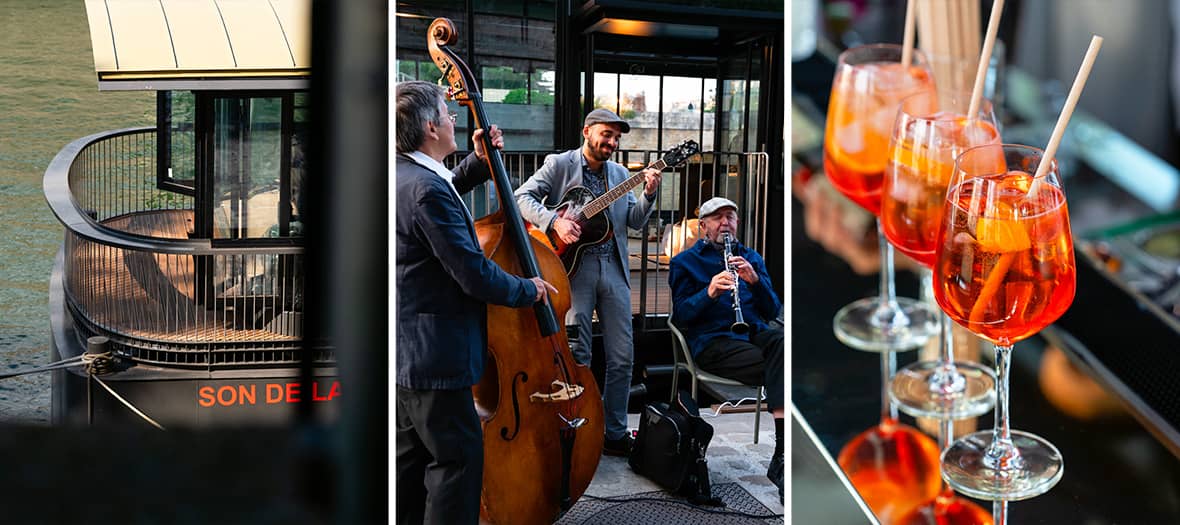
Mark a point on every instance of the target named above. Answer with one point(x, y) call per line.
point(177, 397)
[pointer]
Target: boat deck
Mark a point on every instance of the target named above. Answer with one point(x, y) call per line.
point(152, 296)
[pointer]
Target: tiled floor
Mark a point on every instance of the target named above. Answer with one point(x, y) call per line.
point(733, 458)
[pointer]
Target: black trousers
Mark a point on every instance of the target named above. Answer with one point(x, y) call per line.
point(439, 457)
point(758, 361)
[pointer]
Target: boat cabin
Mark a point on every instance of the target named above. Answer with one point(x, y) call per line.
point(183, 253)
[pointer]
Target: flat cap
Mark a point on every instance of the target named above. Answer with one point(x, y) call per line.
point(606, 116)
point(711, 206)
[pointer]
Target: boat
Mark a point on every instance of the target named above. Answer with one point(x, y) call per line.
point(182, 263)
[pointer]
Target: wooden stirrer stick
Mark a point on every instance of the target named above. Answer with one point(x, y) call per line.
point(989, 41)
point(1071, 101)
point(907, 42)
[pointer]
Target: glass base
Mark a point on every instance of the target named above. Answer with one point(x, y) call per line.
point(922, 390)
point(864, 326)
point(967, 469)
point(946, 509)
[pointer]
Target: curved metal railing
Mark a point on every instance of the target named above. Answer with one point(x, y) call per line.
point(132, 274)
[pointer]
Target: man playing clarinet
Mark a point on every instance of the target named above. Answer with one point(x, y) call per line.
point(706, 309)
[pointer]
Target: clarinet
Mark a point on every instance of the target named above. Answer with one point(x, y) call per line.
point(739, 325)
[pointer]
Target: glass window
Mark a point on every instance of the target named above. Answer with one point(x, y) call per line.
point(542, 82)
point(247, 163)
point(639, 104)
point(755, 84)
point(505, 84)
point(299, 162)
point(429, 72)
point(752, 129)
point(733, 100)
point(709, 123)
point(606, 91)
point(406, 70)
point(682, 110)
point(176, 113)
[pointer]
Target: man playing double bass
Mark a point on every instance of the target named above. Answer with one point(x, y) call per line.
point(443, 286)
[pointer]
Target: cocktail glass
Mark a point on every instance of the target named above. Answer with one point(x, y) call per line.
point(1004, 269)
point(931, 129)
point(869, 85)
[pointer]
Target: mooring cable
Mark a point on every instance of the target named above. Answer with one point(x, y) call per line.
point(126, 403)
point(64, 363)
point(96, 364)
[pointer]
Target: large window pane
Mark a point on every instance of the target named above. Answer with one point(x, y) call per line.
point(639, 103)
point(755, 84)
point(299, 162)
point(682, 110)
point(180, 111)
point(507, 83)
point(247, 142)
point(542, 83)
point(606, 91)
point(710, 120)
point(733, 100)
point(406, 70)
point(752, 130)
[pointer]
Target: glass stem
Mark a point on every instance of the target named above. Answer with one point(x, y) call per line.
point(888, 312)
point(999, 512)
point(888, 367)
point(926, 286)
point(946, 350)
point(946, 435)
point(1002, 454)
point(946, 379)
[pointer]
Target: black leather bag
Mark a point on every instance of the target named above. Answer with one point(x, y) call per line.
point(670, 448)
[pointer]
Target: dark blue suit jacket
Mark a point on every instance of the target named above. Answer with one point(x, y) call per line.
point(443, 281)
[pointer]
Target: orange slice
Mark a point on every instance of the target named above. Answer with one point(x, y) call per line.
point(1001, 235)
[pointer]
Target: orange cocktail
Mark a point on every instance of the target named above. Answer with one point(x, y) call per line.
point(1009, 267)
point(869, 85)
point(1004, 269)
point(931, 130)
point(864, 101)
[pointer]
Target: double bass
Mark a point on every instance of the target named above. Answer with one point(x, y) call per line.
point(540, 410)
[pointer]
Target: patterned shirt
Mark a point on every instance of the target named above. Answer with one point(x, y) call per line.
point(596, 183)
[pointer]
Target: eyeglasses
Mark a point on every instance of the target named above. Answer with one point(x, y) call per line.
point(454, 117)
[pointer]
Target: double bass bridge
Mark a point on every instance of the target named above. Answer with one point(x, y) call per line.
point(562, 391)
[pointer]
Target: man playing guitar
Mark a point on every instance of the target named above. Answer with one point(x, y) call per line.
point(602, 278)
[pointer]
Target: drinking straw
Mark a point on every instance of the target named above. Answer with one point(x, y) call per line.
point(907, 42)
point(996, 277)
point(989, 41)
point(955, 42)
point(1071, 101)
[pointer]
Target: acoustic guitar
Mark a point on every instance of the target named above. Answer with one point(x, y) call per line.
point(578, 204)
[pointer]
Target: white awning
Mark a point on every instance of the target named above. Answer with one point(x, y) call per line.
point(200, 44)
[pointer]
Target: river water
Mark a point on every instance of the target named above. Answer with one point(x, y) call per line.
point(48, 97)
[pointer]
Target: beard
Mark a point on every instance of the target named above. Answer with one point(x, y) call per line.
point(598, 150)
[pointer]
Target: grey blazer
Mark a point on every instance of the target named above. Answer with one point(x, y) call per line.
point(562, 171)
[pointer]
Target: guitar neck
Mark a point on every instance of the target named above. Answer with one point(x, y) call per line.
point(595, 206)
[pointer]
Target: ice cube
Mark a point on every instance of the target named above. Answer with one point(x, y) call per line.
point(850, 138)
point(1020, 180)
point(976, 133)
point(881, 119)
point(904, 187)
